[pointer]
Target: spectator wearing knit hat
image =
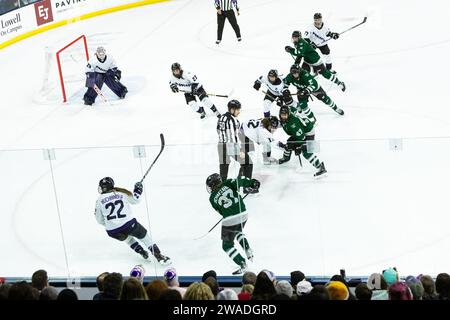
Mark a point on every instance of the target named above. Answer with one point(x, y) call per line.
point(415, 286)
point(443, 286)
point(264, 288)
point(227, 294)
point(337, 290)
point(399, 291)
point(429, 288)
point(391, 276)
point(340, 278)
point(303, 288)
point(379, 287)
point(171, 277)
point(284, 287)
point(363, 292)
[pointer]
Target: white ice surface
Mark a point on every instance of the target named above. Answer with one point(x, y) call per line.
point(377, 207)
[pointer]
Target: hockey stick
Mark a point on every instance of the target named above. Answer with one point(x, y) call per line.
point(100, 93)
point(209, 94)
point(364, 20)
point(216, 223)
point(163, 143)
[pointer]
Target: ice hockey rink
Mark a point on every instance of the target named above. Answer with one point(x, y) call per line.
point(384, 202)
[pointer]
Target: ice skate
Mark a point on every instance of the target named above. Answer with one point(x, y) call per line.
point(321, 172)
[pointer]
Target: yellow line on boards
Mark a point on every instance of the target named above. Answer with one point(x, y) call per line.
point(76, 19)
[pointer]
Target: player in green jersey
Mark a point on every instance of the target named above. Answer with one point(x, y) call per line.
point(302, 49)
point(306, 85)
point(300, 130)
point(226, 200)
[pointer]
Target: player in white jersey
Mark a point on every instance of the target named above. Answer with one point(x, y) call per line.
point(102, 69)
point(260, 131)
point(317, 35)
point(113, 211)
point(276, 91)
point(188, 83)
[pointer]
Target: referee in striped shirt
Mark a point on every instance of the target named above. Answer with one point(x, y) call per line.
point(228, 130)
point(225, 11)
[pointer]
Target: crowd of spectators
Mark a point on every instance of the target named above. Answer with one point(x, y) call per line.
point(9, 5)
point(386, 285)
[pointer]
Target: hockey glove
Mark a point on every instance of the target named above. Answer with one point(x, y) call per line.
point(174, 87)
point(138, 188)
point(300, 148)
point(304, 93)
point(194, 88)
point(282, 145)
point(256, 184)
point(289, 49)
point(257, 85)
point(333, 35)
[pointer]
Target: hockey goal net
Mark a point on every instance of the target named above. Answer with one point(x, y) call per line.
point(64, 73)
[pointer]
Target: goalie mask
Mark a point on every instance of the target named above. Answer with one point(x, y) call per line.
point(101, 54)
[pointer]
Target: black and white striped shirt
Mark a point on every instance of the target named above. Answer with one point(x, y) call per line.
point(226, 5)
point(228, 128)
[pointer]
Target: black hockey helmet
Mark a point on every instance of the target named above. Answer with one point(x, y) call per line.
point(284, 110)
point(105, 185)
point(295, 68)
point(175, 66)
point(296, 34)
point(213, 182)
point(273, 73)
point(235, 104)
point(317, 15)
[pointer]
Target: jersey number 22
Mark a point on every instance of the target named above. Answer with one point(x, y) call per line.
point(112, 211)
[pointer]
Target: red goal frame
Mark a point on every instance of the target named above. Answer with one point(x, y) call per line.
point(61, 77)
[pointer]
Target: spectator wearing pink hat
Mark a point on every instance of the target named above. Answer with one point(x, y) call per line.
point(171, 277)
point(400, 291)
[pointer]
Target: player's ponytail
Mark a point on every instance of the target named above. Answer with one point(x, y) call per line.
point(123, 190)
